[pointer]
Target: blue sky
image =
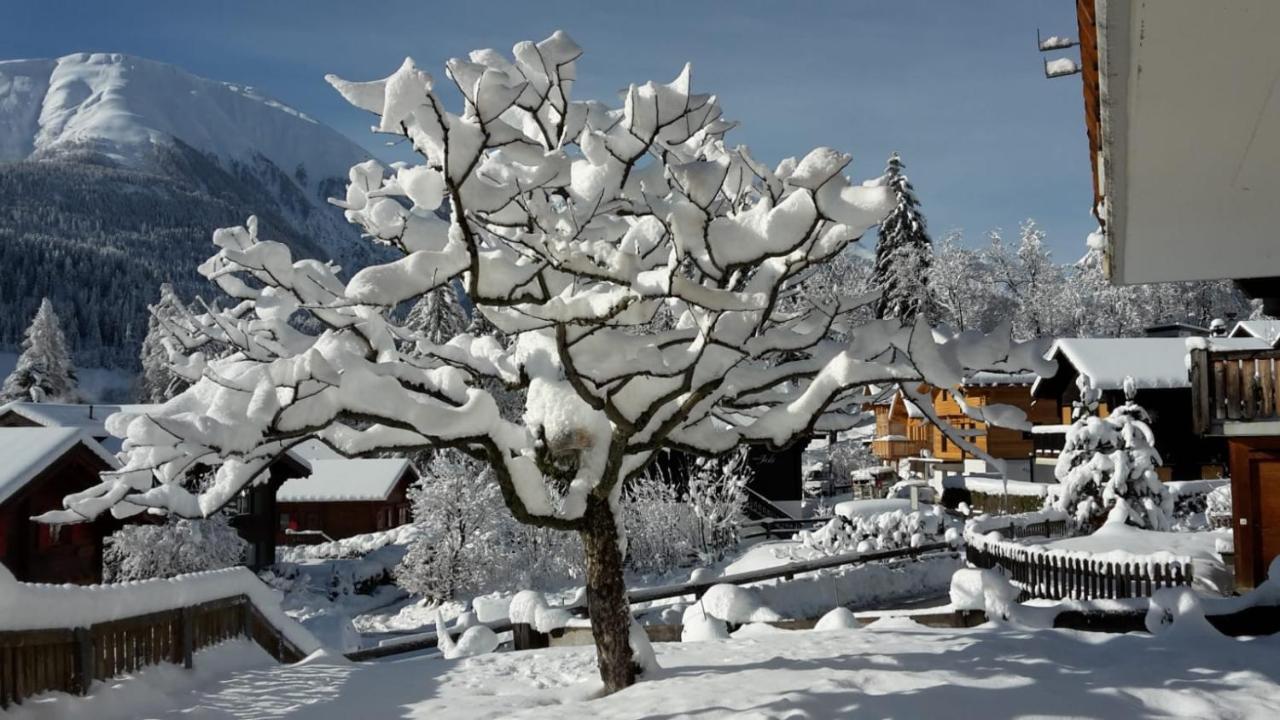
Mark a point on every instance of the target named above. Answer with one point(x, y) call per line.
point(955, 87)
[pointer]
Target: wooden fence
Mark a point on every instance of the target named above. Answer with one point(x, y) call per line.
point(1234, 386)
point(1015, 530)
point(69, 660)
point(1056, 576)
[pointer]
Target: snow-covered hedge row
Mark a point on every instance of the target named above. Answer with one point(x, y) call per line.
point(30, 606)
point(882, 531)
point(987, 523)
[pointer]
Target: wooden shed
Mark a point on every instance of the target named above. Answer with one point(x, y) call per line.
point(38, 467)
point(344, 497)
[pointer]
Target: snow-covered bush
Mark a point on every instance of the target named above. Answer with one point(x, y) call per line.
point(718, 500)
point(871, 533)
point(575, 229)
point(657, 522)
point(1108, 466)
point(140, 551)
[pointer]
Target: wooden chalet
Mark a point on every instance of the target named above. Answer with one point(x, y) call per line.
point(1236, 399)
point(1014, 447)
point(38, 467)
point(342, 497)
point(901, 428)
point(1158, 367)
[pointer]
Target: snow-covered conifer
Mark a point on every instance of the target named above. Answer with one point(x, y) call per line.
point(1107, 467)
point(157, 382)
point(437, 316)
point(903, 253)
point(569, 223)
point(44, 372)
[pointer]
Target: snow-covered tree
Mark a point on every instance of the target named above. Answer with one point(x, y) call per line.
point(961, 283)
point(1031, 280)
point(1107, 467)
point(569, 225)
point(157, 382)
point(438, 316)
point(44, 372)
point(718, 499)
point(139, 551)
point(459, 536)
point(903, 253)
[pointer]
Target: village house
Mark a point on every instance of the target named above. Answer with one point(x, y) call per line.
point(1205, 211)
point(42, 465)
point(1014, 447)
point(339, 498)
point(1158, 367)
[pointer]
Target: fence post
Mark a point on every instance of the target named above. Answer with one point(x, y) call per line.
point(246, 616)
point(525, 637)
point(185, 623)
point(83, 663)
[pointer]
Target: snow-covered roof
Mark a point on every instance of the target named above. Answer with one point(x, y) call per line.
point(89, 417)
point(356, 480)
point(987, 378)
point(1153, 363)
point(1268, 330)
point(26, 451)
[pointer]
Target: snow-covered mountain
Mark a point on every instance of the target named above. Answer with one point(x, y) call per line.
point(114, 171)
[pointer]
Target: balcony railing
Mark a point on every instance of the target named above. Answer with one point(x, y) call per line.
point(1234, 386)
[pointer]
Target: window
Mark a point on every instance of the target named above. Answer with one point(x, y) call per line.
point(285, 523)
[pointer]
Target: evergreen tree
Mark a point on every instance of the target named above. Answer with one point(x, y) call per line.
point(903, 253)
point(437, 317)
point(158, 382)
point(1107, 468)
point(44, 372)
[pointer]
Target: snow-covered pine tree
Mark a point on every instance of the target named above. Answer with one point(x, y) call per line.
point(437, 316)
point(903, 253)
point(568, 224)
point(44, 372)
point(157, 382)
point(1107, 466)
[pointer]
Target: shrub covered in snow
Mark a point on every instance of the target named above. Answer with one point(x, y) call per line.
point(462, 547)
point(657, 524)
point(870, 533)
point(717, 499)
point(141, 551)
point(1107, 467)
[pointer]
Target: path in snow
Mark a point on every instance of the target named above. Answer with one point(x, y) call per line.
point(892, 669)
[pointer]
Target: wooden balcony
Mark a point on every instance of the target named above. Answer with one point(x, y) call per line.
point(1236, 392)
point(898, 449)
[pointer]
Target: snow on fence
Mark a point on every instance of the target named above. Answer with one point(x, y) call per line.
point(62, 638)
point(1059, 574)
point(1042, 523)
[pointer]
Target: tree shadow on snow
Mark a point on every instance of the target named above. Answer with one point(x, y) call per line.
point(1005, 674)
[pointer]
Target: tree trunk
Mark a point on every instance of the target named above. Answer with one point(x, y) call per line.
point(607, 597)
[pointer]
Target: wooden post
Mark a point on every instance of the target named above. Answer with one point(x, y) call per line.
point(246, 617)
point(185, 622)
point(525, 637)
point(83, 665)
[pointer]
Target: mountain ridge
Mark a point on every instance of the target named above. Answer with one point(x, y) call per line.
point(115, 172)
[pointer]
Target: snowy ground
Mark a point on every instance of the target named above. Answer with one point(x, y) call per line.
point(893, 668)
